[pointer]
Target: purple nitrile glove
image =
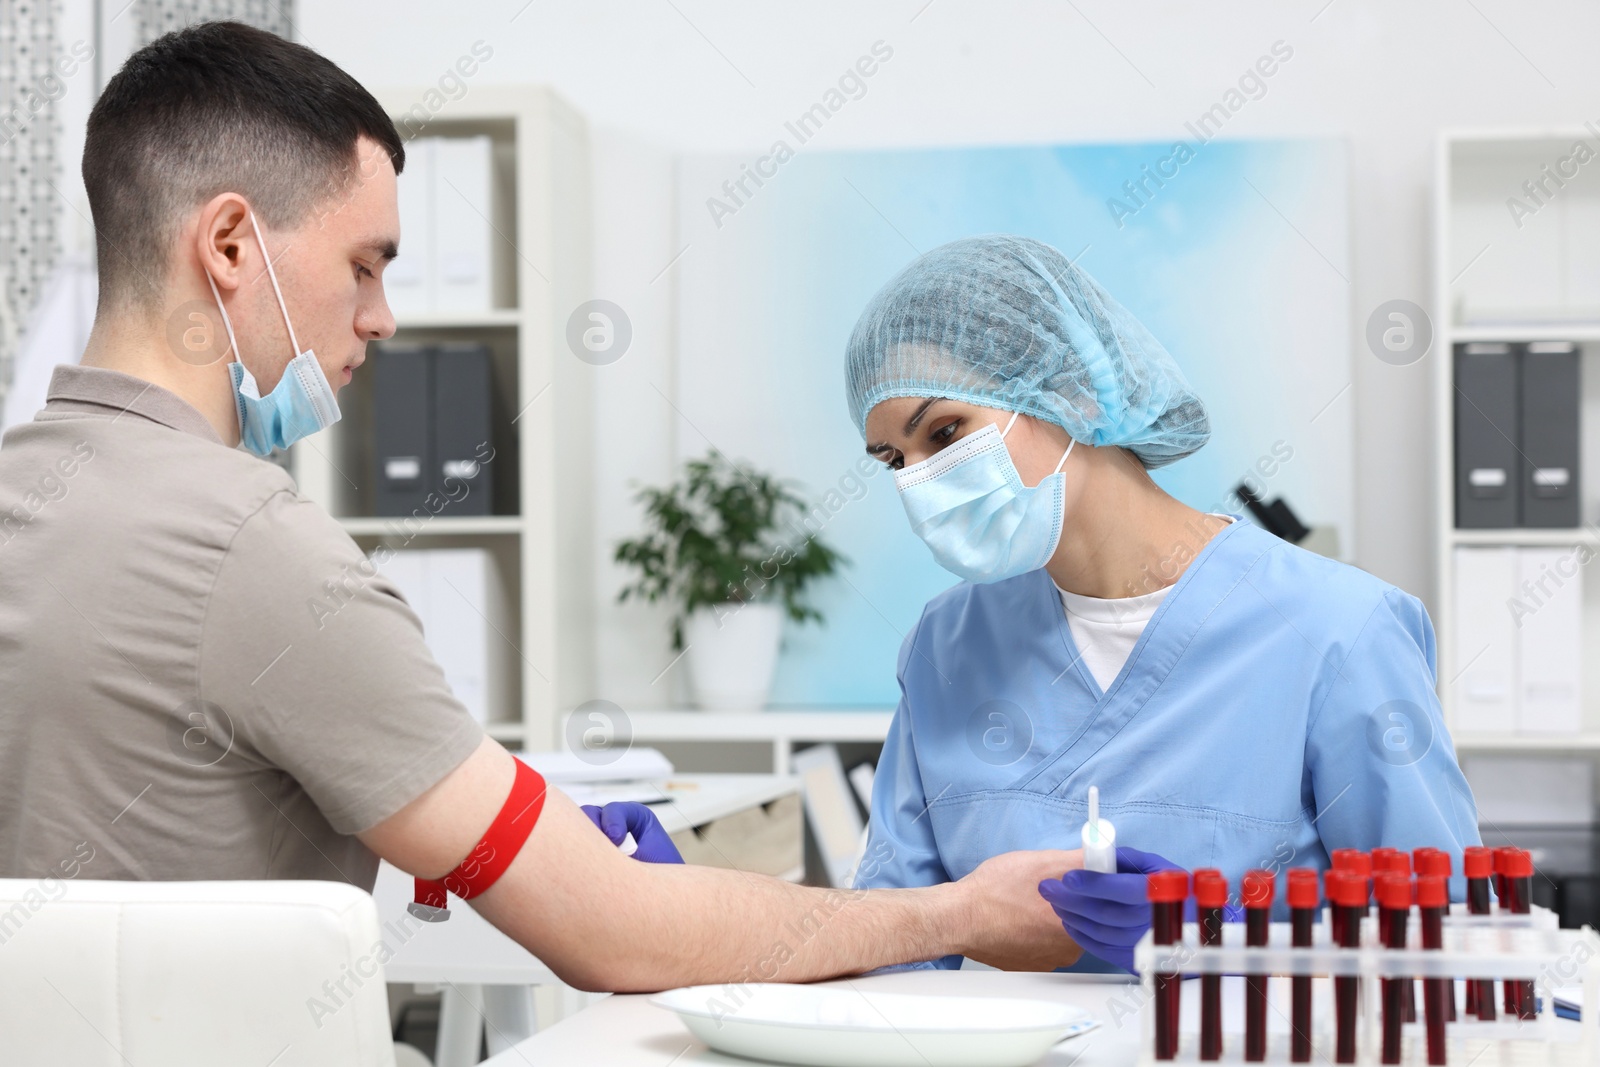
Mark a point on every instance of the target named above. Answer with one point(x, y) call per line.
point(1107, 914)
point(621, 818)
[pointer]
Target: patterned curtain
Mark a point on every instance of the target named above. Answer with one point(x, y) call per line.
point(162, 16)
point(30, 138)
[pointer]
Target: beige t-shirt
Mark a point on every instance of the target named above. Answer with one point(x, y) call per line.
point(201, 675)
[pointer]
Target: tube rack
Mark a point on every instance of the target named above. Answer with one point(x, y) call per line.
point(1498, 946)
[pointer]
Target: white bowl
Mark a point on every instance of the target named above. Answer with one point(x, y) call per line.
point(837, 1026)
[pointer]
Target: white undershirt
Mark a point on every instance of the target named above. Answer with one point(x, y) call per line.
point(1105, 631)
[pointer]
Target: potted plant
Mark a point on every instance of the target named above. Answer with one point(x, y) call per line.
point(729, 546)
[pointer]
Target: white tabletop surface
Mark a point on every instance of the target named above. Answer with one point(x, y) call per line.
point(627, 1031)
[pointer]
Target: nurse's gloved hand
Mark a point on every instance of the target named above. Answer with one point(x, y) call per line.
point(1107, 913)
point(618, 820)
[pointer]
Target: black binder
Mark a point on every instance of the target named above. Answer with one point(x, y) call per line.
point(1550, 392)
point(1486, 442)
point(463, 390)
point(402, 429)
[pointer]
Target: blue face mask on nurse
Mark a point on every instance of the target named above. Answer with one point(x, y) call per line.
point(1220, 686)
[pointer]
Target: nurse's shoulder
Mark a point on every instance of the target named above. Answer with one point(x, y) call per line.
point(1330, 596)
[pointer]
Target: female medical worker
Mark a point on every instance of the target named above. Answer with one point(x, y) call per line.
point(1240, 703)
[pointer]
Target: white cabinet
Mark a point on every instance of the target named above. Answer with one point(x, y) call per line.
point(513, 264)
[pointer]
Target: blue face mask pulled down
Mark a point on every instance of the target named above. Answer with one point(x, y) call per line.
point(969, 505)
point(299, 405)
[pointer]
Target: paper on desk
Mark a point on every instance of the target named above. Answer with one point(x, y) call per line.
point(603, 793)
point(629, 765)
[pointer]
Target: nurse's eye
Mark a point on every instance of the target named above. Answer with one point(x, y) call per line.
point(944, 434)
point(363, 272)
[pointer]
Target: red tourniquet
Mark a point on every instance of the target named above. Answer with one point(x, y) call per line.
point(494, 852)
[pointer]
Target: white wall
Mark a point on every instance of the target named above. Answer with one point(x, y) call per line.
point(706, 75)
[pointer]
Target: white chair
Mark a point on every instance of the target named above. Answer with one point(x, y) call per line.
point(191, 974)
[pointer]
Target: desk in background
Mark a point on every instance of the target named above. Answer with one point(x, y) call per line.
point(749, 821)
point(780, 729)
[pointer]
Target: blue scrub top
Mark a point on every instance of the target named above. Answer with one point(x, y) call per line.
point(1279, 705)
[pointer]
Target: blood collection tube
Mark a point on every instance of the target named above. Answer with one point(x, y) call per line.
point(1302, 913)
point(1167, 891)
point(1353, 859)
point(1347, 893)
point(1519, 891)
point(1258, 890)
point(1393, 861)
point(1501, 855)
point(1210, 896)
point(1394, 905)
point(1419, 858)
point(1435, 861)
point(1477, 863)
point(1433, 897)
point(1330, 878)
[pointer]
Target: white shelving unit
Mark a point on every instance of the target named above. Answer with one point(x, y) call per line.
point(1495, 280)
point(541, 530)
point(781, 729)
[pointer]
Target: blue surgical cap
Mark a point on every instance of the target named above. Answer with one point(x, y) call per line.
point(1009, 322)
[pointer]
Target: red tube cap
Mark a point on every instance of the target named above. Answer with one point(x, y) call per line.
point(1303, 889)
point(1345, 888)
point(1390, 859)
point(1394, 890)
point(1258, 889)
point(1477, 861)
point(1168, 887)
point(1432, 892)
point(1353, 859)
point(1501, 854)
point(1210, 888)
point(1519, 863)
point(1433, 861)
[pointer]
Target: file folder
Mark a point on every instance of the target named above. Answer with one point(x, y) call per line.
point(408, 281)
point(459, 598)
point(1486, 436)
point(1485, 688)
point(462, 209)
point(1550, 392)
point(1549, 622)
point(402, 429)
point(466, 606)
point(463, 377)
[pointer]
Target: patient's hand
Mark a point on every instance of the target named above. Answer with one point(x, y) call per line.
point(1011, 926)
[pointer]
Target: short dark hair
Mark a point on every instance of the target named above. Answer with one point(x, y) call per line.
point(216, 107)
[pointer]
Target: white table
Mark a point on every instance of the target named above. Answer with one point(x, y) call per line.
point(627, 1031)
point(485, 978)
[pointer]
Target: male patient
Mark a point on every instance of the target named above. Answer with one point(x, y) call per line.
point(173, 706)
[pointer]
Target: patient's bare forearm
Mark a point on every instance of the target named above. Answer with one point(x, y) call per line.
point(728, 926)
point(605, 922)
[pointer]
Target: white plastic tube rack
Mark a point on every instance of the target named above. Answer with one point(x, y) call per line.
point(1499, 946)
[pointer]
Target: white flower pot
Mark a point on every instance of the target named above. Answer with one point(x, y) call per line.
point(732, 651)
